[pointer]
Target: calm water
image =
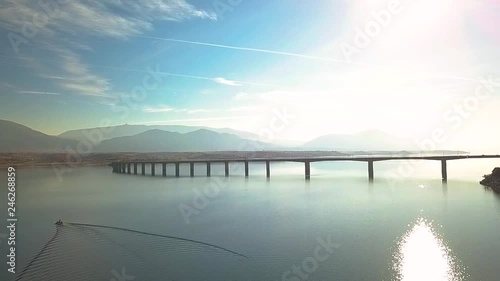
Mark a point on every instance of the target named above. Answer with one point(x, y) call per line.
point(335, 227)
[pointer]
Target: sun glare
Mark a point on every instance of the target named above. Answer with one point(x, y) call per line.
point(422, 255)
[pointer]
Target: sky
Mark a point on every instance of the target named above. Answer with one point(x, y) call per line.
point(286, 69)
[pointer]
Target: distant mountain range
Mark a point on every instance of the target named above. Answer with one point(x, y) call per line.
point(132, 130)
point(18, 138)
point(160, 141)
point(172, 138)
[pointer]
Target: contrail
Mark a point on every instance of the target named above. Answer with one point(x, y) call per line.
point(294, 55)
point(253, 50)
point(213, 79)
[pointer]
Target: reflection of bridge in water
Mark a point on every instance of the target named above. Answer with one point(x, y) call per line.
point(125, 167)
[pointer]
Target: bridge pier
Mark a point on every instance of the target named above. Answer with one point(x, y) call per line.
point(307, 165)
point(152, 169)
point(164, 169)
point(191, 169)
point(129, 171)
point(123, 168)
point(177, 168)
point(135, 168)
point(226, 168)
point(370, 171)
point(246, 169)
point(268, 169)
point(208, 169)
point(143, 169)
point(444, 171)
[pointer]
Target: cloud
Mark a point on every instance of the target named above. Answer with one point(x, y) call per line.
point(243, 108)
point(241, 96)
point(193, 111)
point(109, 18)
point(77, 76)
point(7, 85)
point(39, 93)
point(224, 81)
point(157, 109)
point(62, 30)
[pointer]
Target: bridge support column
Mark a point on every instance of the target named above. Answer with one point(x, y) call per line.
point(129, 171)
point(122, 168)
point(143, 169)
point(370, 171)
point(164, 169)
point(152, 169)
point(191, 169)
point(208, 169)
point(308, 170)
point(444, 171)
point(268, 169)
point(226, 168)
point(246, 169)
point(135, 168)
point(177, 168)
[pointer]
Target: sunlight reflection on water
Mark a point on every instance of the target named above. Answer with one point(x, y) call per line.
point(422, 255)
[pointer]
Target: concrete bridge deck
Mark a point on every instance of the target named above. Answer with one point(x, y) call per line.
point(126, 167)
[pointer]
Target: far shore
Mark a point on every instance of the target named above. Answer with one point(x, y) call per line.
point(28, 159)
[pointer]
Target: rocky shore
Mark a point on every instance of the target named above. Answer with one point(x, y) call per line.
point(492, 180)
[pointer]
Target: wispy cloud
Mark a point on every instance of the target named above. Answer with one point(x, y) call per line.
point(194, 111)
point(157, 109)
point(7, 85)
point(109, 18)
point(39, 93)
point(70, 23)
point(243, 108)
point(224, 81)
point(241, 96)
point(79, 78)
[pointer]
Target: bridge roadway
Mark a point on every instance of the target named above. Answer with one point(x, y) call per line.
point(125, 166)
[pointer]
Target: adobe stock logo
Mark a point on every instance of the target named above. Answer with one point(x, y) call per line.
point(364, 36)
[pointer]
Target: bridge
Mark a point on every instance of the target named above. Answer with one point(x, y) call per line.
point(129, 167)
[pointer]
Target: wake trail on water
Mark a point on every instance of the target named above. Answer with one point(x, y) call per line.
point(156, 235)
point(80, 251)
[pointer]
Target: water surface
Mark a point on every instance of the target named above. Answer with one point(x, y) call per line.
point(411, 228)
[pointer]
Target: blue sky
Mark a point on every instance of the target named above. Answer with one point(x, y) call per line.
point(237, 67)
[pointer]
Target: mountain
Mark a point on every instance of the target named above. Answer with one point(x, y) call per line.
point(131, 130)
point(366, 140)
point(19, 138)
point(164, 141)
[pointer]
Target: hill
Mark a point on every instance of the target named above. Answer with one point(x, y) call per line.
point(18, 138)
point(131, 130)
point(164, 141)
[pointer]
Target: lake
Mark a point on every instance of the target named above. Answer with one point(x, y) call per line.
point(337, 226)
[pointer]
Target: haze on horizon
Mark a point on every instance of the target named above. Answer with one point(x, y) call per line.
point(429, 66)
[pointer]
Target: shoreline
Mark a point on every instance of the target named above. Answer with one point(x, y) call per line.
point(26, 159)
point(59, 159)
